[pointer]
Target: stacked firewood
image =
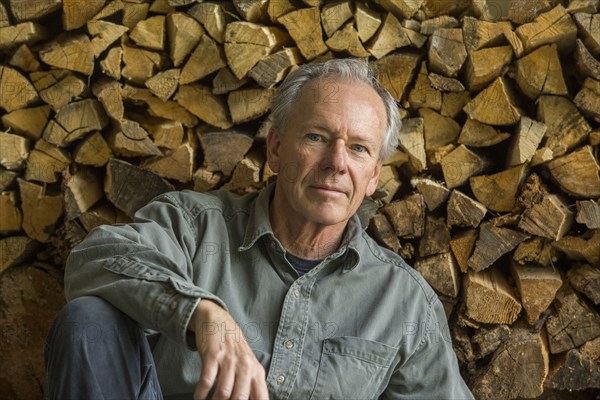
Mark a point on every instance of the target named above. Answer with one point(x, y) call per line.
point(493, 195)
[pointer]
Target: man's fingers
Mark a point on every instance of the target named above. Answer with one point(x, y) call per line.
point(225, 381)
point(207, 379)
point(259, 389)
point(241, 388)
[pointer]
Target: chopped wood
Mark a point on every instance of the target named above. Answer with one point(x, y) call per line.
point(225, 81)
point(272, 69)
point(401, 8)
point(24, 59)
point(412, 141)
point(445, 84)
point(4, 20)
point(447, 52)
point(453, 103)
point(493, 242)
point(438, 130)
point(30, 11)
point(108, 91)
point(164, 109)
point(464, 211)
point(213, 18)
point(416, 39)
point(524, 11)
point(523, 360)
point(23, 33)
point(347, 40)
point(76, 13)
point(588, 213)
point(15, 150)
point(581, 248)
point(45, 79)
point(6, 178)
point(72, 52)
point(122, 189)
point(109, 10)
point(17, 91)
point(15, 250)
point(134, 13)
point(246, 175)
point(436, 237)
point(252, 10)
point(41, 212)
point(498, 192)
point(202, 103)
point(489, 298)
point(587, 65)
point(93, 150)
point(488, 340)
point(162, 7)
point(334, 15)
point(165, 133)
point(536, 250)
point(434, 193)
point(276, 9)
point(304, 27)
point(461, 164)
point(477, 134)
point(541, 156)
point(150, 33)
point(525, 141)
point(537, 287)
point(550, 218)
point(588, 98)
point(205, 180)
point(572, 321)
point(111, 64)
point(389, 182)
point(396, 71)
point(367, 21)
point(183, 33)
point(223, 150)
point(514, 41)
point(540, 72)
point(248, 104)
point(582, 6)
point(586, 280)
point(164, 84)
point(567, 128)
point(573, 371)
point(407, 216)
point(577, 173)
point(494, 105)
point(140, 64)
point(63, 91)
point(433, 8)
point(129, 139)
point(102, 213)
point(383, 232)
point(423, 95)
point(207, 58)
point(554, 26)
point(462, 245)
point(589, 30)
point(75, 120)
point(178, 164)
point(429, 26)
point(12, 218)
point(485, 65)
point(81, 191)
point(45, 161)
point(441, 272)
point(389, 37)
point(104, 34)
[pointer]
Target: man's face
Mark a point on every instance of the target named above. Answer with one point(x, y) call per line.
point(328, 159)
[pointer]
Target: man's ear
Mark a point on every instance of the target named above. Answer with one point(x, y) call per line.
point(273, 146)
point(372, 186)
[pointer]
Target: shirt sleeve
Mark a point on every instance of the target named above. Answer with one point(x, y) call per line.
point(144, 268)
point(431, 372)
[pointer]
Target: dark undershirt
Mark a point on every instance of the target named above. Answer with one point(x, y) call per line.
point(301, 265)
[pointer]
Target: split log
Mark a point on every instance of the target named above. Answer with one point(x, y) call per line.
point(72, 52)
point(62, 92)
point(41, 212)
point(129, 139)
point(347, 40)
point(554, 26)
point(541, 156)
point(163, 109)
point(304, 26)
point(389, 183)
point(121, 188)
point(276, 9)
point(252, 10)
point(513, 39)
point(583, 248)
point(536, 250)
point(488, 340)
point(550, 218)
point(494, 105)
point(222, 150)
point(540, 72)
point(150, 33)
point(77, 12)
point(453, 103)
point(75, 120)
point(24, 33)
point(577, 173)
point(15, 150)
point(205, 180)
point(573, 371)
point(111, 64)
point(462, 245)
point(183, 33)
point(12, 217)
point(434, 193)
point(537, 287)
point(17, 91)
point(93, 150)
point(7, 178)
point(15, 250)
point(441, 272)
point(81, 191)
point(489, 298)
point(164, 84)
point(524, 11)
point(225, 81)
point(165, 133)
point(412, 141)
point(436, 237)
point(383, 232)
point(202, 103)
point(589, 30)
point(104, 34)
point(334, 15)
point(178, 164)
point(423, 95)
point(445, 84)
point(493, 242)
point(480, 34)
point(140, 64)
point(207, 58)
point(588, 213)
point(477, 134)
point(31, 11)
point(463, 211)
point(396, 71)
point(246, 175)
point(388, 38)
point(461, 164)
point(213, 18)
point(525, 141)
point(587, 65)
point(588, 98)
point(367, 22)
point(45, 162)
point(572, 321)
point(586, 280)
point(498, 192)
point(438, 130)
point(447, 52)
point(401, 8)
point(248, 104)
point(274, 68)
point(134, 13)
point(24, 59)
point(108, 91)
point(407, 216)
point(429, 26)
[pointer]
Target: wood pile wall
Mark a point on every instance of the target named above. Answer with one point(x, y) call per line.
point(493, 194)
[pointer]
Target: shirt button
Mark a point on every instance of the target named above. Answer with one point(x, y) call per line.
point(173, 305)
point(288, 344)
point(296, 292)
point(280, 379)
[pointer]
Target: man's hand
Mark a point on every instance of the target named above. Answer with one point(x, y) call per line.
point(228, 363)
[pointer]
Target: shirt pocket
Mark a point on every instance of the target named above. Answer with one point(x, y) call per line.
point(352, 368)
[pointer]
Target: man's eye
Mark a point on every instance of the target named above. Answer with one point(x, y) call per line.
point(313, 137)
point(359, 148)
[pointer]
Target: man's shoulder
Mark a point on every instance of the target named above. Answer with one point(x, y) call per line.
point(221, 201)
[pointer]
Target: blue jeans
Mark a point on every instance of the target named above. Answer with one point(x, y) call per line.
point(95, 351)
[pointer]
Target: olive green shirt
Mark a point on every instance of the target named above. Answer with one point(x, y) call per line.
point(360, 325)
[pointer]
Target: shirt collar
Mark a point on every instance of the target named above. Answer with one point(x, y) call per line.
point(259, 225)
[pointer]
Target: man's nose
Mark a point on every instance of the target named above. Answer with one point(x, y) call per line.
point(335, 157)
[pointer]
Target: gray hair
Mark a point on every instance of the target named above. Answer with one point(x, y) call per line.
point(352, 69)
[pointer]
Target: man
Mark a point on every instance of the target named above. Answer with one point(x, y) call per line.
point(278, 294)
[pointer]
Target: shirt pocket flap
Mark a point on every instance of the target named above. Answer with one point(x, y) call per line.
point(362, 349)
